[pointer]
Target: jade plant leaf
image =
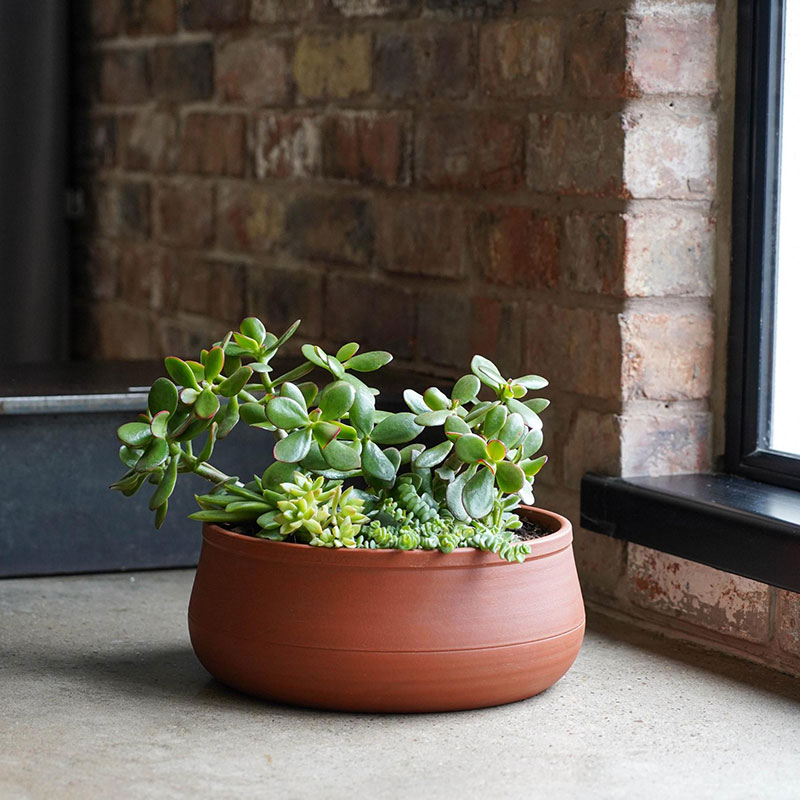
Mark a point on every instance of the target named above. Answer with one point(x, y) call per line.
point(494, 421)
point(253, 413)
point(158, 427)
point(135, 434)
point(512, 430)
point(509, 477)
point(532, 466)
point(347, 351)
point(234, 384)
point(253, 328)
point(336, 399)
point(362, 412)
point(166, 485)
point(466, 389)
point(341, 456)
point(496, 450)
point(532, 382)
point(455, 426)
point(431, 418)
point(294, 447)
point(530, 418)
point(537, 404)
point(415, 401)
point(181, 372)
point(479, 493)
point(163, 396)
point(286, 413)
point(376, 464)
point(293, 392)
point(471, 448)
point(434, 456)
point(369, 362)
point(215, 361)
point(531, 444)
point(154, 456)
point(396, 429)
point(207, 404)
point(436, 399)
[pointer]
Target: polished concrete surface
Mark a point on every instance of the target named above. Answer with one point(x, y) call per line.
point(101, 697)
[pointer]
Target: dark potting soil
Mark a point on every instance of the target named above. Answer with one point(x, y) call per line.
point(531, 530)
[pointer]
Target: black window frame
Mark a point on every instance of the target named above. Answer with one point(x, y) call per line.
point(753, 255)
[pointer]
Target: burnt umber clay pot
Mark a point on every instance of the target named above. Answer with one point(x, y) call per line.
point(386, 630)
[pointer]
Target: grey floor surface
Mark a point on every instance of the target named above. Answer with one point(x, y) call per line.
point(101, 697)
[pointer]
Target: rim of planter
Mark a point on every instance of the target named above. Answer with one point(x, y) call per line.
point(255, 548)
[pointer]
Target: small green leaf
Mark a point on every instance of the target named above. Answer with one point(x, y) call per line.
point(496, 450)
point(433, 457)
point(230, 418)
point(294, 447)
point(509, 477)
point(231, 386)
point(362, 412)
point(253, 413)
point(494, 421)
point(309, 391)
point(532, 382)
point(154, 456)
point(455, 426)
point(487, 372)
point(276, 474)
point(215, 361)
point(431, 418)
point(247, 343)
point(455, 496)
point(336, 399)
point(293, 392)
point(161, 514)
point(135, 434)
point(316, 355)
point(480, 410)
point(415, 401)
point(396, 429)
point(325, 432)
point(207, 404)
point(341, 456)
point(471, 448)
point(286, 335)
point(188, 396)
point(181, 372)
point(208, 448)
point(163, 396)
point(537, 404)
point(286, 413)
point(436, 399)
point(376, 464)
point(347, 351)
point(531, 419)
point(158, 427)
point(531, 444)
point(166, 485)
point(254, 328)
point(532, 466)
point(294, 374)
point(479, 494)
point(466, 389)
point(512, 431)
point(129, 456)
point(409, 453)
point(369, 362)
point(518, 391)
point(198, 369)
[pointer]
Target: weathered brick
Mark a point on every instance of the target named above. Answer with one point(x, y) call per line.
point(591, 444)
point(213, 14)
point(469, 151)
point(673, 51)
point(148, 140)
point(332, 228)
point(367, 146)
point(576, 153)
point(667, 355)
point(600, 560)
point(515, 246)
point(576, 349)
point(185, 213)
point(213, 144)
point(123, 76)
point(420, 238)
point(787, 622)
point(593, 252)
point(595, 54)
point(522, 58)
point(249, 218)
point(288, 145)
point(492, 328)
point(122, 209)
point(252, 70)
point(333, 65)
point(698, 595)
point(96, 141)
point(280, 296)
point(669, 154)
point(116, 331)
point(145, 272)
point(370, 8)
point(281, 10)
point(182, 73)
point(410, 65)
point(665, 442)
point(150, 17)
point(105, 17)
point(96, 271)
point(377, 315)
point(669, 251)
point(470, 9)
point(210, 288)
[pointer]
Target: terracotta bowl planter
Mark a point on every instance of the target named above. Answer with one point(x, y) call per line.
point(384, 630)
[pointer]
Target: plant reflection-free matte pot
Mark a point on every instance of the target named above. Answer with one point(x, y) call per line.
point(386, 630)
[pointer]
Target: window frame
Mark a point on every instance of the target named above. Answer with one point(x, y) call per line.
point(753, 253)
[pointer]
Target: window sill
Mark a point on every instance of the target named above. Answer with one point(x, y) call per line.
point(723, 521)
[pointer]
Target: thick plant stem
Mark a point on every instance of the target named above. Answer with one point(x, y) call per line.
point(204, 469)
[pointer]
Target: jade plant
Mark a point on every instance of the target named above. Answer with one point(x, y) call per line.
point(345, 474)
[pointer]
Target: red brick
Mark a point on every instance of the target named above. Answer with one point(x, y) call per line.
point(522, 58)
point(288, 145)
point(115, 331)
point(145, 273)
point(515, 247)
point(123, 76)
point(576, 349)
point(576, 153)
point(469, 151)
point(280, 296)
point(249, 218)
point(251, 70)
point(593, 252)
point(377, 315)
point(122, 209)
point(182, 73)
point(213, 14)
point(698, 595)
point(420, 238)
point(105, 17)
point(410, 65)
point(185, 213)
point(367, 147)
point(150, 16)
point(329, 66)
point(673, 51)
point(331, 228)
point(148, 140)
point(665, 442)
point(370, 8)
point(210, 288)
point(471, 9)
point(596, 54)
point(281, 10)
point(788, 622)
point(213, 144)
point(667, 355)
point(591, 445)
point(669, 153)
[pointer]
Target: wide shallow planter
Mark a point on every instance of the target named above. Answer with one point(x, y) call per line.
point(386, 630)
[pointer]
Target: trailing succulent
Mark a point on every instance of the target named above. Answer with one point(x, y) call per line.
point(345, 474)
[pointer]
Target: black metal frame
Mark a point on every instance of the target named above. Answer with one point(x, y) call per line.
point(753, 264)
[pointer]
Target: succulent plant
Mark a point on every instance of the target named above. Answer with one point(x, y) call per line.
point(462, 491)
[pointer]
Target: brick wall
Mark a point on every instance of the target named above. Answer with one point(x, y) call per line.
point(544, 182)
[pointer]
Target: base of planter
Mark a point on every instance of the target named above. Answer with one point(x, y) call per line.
point(386, 630)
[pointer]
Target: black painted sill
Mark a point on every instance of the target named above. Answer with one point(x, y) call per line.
point(723, 521)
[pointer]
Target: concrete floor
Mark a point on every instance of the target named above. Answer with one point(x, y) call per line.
point(101, 697)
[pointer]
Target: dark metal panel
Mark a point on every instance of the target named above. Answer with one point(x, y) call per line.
point(723, 521)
